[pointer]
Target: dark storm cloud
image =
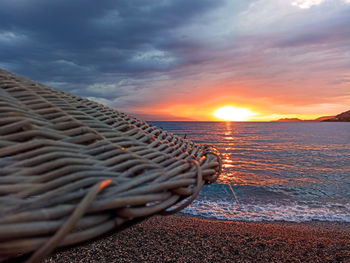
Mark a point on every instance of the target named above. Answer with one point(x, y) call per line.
point(81, 41)
point(136, 55)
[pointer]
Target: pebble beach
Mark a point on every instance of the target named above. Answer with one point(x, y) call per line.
point(181, 238)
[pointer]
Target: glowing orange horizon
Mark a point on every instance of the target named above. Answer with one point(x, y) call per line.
point(245, 107)
point(223, 112)
point(216, 112)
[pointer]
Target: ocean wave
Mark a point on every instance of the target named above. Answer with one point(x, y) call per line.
point(270, 212)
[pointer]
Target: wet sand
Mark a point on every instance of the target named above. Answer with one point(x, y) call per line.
point(189, 239)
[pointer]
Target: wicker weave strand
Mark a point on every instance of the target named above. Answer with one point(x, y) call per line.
point(72, 169)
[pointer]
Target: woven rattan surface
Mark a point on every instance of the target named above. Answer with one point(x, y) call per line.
point(72, 169)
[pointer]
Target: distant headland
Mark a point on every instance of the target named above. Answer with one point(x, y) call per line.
point(342, 117)
point(345, 117)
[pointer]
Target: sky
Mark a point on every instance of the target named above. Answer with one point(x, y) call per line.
point(181, 59)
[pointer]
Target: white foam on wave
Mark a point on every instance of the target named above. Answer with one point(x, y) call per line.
point(269, 212)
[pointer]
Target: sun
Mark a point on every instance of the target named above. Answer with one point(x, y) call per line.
point(230, 113)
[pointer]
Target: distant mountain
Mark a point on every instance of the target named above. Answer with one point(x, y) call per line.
point(324, 118)
point(343, 117)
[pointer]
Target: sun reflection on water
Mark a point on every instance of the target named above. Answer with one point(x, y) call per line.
point(244, 170)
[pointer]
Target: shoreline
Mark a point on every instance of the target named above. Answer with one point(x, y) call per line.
point(313, 222)
point(186, 238)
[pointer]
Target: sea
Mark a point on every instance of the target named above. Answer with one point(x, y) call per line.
point(272, 171)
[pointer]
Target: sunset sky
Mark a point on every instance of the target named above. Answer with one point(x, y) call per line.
point(182, 60)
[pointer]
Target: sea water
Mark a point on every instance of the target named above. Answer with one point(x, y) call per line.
point(274, 171)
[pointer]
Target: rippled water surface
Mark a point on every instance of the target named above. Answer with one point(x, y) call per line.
point(278, 171)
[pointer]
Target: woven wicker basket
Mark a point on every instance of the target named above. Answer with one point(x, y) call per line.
point(72, 169)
